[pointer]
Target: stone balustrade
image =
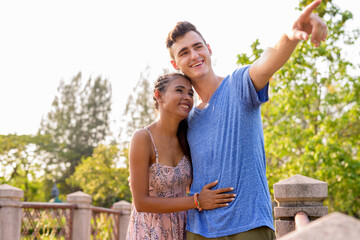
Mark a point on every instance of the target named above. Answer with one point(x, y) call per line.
point(125, 207)
point(11, 212)
point(300, 213)
point(335, 226)
point(298, 194)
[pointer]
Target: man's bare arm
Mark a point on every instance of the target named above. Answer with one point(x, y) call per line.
point(274, 58)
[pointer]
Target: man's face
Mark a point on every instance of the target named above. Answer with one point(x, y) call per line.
point(191, 55)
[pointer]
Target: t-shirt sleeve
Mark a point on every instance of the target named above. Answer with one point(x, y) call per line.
point(241, 81)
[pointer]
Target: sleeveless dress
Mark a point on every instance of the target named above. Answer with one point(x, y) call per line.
point(164, 181)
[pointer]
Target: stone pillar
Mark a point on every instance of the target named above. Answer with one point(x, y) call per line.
point(335, 226)
point(81, 225)
point(10, 212)
point(298, 194)
point(125, 208)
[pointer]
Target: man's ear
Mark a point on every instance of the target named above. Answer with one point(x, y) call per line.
point(208, 46)
point(173, 63)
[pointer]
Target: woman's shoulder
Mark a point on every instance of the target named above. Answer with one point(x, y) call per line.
point(141, 135)
point(141, 144)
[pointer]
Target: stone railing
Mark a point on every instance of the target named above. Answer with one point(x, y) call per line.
point(83, 215)
point(300, 214)
point(300, 199)
point(335, 226)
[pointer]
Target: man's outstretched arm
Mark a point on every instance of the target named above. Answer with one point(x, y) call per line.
point(274, 58)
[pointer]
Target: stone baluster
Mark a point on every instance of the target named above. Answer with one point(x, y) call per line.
point(81, 225)
point(10, 212)
point(335, 226)
point(298, 194)
point(125, 208)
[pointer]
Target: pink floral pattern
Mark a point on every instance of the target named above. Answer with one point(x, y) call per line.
point(169, 182)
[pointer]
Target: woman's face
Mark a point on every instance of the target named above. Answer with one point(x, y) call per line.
point(178, 97)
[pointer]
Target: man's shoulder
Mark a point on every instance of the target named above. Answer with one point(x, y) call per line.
point(241, 72)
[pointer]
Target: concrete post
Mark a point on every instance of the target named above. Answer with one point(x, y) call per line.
point(10, 212)
point(81, 225)
point(335, 226)
point(298, 194)
point(125, 208)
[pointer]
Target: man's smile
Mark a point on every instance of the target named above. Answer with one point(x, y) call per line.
point(197, 64)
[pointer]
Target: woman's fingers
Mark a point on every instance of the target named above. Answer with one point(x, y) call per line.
point(225, 195)
point(210, 185)
point(210, 199)
point(222, 202)
point(225, 200)
point(221, 205)
point(222, 190)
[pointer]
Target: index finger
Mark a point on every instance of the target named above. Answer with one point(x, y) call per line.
point(223, 190)
point(212, 184)
point(309, 9)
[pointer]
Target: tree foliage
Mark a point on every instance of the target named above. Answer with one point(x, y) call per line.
point(101, 176)
point(312, 123)
point(20, 165)
point(139, 111)
point(76, 124)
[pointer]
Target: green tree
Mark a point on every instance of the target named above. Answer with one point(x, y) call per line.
point(77, 123)
point(312, 123)
point(103, 177)
point(20, 165)
point(139, 111)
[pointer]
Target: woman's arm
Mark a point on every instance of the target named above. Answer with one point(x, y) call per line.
point(140, 155)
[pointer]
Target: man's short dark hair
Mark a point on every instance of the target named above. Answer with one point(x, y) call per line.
point(180, 30)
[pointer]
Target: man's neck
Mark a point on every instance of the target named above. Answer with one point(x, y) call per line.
point(206, 86)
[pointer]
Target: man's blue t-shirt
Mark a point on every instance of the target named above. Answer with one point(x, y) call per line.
point(227, 144)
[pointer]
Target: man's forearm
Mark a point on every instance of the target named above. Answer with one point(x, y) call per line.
point(271, 61)
point(274, 58)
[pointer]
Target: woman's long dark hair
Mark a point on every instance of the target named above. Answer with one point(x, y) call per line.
point(182, 137)
point(161, 85)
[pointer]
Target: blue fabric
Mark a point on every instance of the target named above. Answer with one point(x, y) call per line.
point(227, 144)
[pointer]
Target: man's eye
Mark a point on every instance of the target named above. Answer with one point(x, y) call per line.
point(178, 90)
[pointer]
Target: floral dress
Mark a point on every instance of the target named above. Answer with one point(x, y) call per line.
point(164, 181)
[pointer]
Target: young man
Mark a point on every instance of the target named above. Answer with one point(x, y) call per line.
point(225, 130)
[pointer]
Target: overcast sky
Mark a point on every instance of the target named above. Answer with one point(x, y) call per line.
point(44, 41)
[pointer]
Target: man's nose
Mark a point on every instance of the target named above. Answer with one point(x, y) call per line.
point(194, 54)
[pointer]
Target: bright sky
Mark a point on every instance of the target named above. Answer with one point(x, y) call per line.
point(44, 41)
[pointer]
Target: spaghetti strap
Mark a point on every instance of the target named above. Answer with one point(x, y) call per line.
point(152, 139)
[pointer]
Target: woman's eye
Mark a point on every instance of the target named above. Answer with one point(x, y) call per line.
point(178, 90)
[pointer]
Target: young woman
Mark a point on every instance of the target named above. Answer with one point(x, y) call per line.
point(160, 168)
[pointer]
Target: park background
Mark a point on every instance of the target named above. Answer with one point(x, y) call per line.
point(76, 81)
